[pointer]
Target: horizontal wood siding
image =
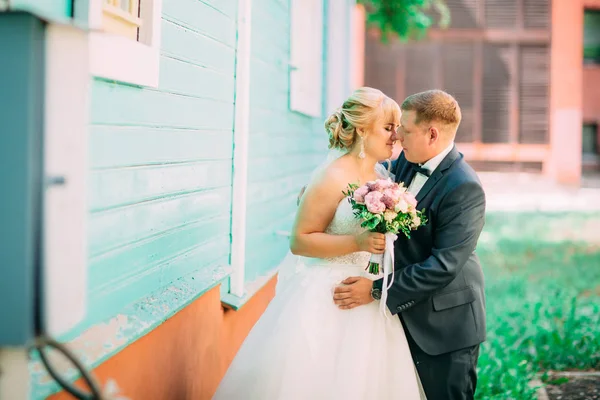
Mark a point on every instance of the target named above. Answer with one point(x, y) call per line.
point(284, 146)
point(161, 162)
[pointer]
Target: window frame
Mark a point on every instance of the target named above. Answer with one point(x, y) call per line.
point(119, 58)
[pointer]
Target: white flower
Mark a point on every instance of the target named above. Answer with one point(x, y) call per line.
point(389, 215)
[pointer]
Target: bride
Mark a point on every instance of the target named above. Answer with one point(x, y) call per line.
point(304, 346)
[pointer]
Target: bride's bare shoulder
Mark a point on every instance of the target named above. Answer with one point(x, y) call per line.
point(335, 177)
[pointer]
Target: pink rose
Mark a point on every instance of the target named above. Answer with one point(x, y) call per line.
point(401, 206)
point(393, 193)
point(374, 203)
point(385, 183)
point(373, 186)
point(389, 215)
point(410, 199)
point(360, 193)
point(416, 222)
point(388, 201)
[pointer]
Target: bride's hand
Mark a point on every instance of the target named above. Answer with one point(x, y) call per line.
point(372, 242)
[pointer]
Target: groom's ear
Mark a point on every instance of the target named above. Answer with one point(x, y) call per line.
point(434, 134)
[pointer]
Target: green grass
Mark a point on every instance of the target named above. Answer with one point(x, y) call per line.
point(543, 299)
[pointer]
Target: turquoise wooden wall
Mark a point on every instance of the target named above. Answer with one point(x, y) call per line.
point(284, 146)
point(161, 159)
point(160, 178)
point(161, 163)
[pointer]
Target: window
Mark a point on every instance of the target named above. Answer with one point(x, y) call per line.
point(124, 42)
point(591, 37)
point(121, 17)
point(306, 67)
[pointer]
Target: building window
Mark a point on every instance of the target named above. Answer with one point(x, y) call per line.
point(124, 40)
point(122, 17)
point(306, 67)
point(591, 37)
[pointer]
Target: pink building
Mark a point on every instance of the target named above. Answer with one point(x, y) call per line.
point(529, 92)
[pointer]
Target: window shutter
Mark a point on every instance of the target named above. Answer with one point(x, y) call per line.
point(306, 57)
point(534, 94)
point(496, 93)
point(536, 13)
point(458, 71)
point(463, 13)
point(338, 50)
point(501, 14)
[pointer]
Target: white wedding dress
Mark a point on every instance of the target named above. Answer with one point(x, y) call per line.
point(305, 347)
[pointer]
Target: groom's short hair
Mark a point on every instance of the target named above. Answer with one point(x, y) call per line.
point(434, 105)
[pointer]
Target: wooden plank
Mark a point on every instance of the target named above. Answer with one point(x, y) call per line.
point(266, 248)
point(277, 208)
point(125, 263)
point(125, 186)
point(189, 45)
point(285, 186)
point(263, 169)
point(142, 220)
point(182, 77)
point(226, 7)
point(265, 145)
point(197, 16)
point(114, 104)
point(108, 303)
point(119, 146)
point(274, 89)
point(511, 152)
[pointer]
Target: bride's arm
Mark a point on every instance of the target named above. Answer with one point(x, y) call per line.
point(316, 210)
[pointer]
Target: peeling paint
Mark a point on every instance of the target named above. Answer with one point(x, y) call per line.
point(104, 340)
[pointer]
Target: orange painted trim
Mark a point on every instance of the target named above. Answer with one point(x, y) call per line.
point(186, 357)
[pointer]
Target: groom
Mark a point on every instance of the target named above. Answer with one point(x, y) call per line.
point(438, 289)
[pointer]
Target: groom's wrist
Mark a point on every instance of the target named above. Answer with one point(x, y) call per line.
point(378, 284)
point(376, 289)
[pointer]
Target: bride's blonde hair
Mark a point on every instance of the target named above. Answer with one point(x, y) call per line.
point(359, 111)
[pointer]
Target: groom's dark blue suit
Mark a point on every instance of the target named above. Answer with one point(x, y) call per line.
point(438, 288)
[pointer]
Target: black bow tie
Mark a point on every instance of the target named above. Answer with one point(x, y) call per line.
point(420, 169)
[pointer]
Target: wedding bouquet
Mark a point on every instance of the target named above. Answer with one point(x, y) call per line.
point(385, 207)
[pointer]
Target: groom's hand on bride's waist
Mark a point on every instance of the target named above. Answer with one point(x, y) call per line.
point(353, 292)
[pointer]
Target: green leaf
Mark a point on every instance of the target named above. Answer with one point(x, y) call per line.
point(405, 19)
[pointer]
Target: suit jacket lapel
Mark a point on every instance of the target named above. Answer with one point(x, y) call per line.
point(404, 172)
point(438, 173)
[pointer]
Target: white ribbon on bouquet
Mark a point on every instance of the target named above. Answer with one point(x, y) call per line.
point(386, 262)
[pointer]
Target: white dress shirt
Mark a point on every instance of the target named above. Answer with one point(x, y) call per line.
point(419, 180)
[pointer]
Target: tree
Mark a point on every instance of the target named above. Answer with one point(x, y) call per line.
point(406, 19)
